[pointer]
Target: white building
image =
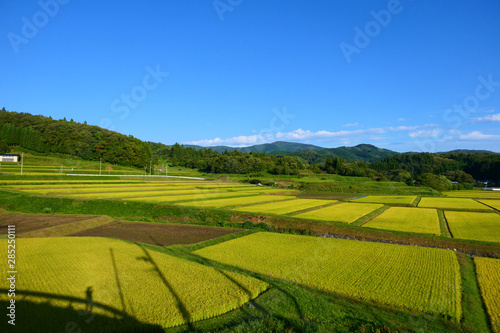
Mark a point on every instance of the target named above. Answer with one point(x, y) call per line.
point(10, 157)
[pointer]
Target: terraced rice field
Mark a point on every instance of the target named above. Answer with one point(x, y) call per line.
point(419, 220)
point(473, 225)
point(388, 199)
point(473, 194)
point(285, 207)
point(344, 212)
point(192, 197)
point(238, 201)
point(492, 203)
point(488, 277)
point(452, 203)
point(123, 279)
point(384, 273)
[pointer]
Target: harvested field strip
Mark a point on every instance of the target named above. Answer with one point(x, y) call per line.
point(473, 225)
point(159, 234)
point(285, 207)
point(452, 203)
point(414, 278)
point(124, 279)
point(488, 277)
point(492, 203)
point(344, 212)
point(188, 197)
point(419, 220)
point(29, 222)
point(219, 203)
point(69, 228)
point(388, 199)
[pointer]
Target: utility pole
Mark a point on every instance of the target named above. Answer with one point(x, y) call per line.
point(22, 159)
point(150, 167)
point(100, 161)
point(61, 170)
point(166, 169)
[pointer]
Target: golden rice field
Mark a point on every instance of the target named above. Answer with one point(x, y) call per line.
point(88, 190)
point(419, 220)
point(135, 194)
point(408, 277)
point(197, 196)
point(125, 279)
point(285, 207)
point(473, 194)
point(492, 203)
point(474, 225)
point(238, 201)
point(388, 199)
point(451, 203)
point(344, 212)
point(488, 277)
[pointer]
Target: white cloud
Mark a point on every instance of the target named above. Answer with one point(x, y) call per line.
point(342, 136)
point(401, 119)
point(240, 141)
point(476, 135)
point(424, 133)
point(493, 118)
point(351, 125)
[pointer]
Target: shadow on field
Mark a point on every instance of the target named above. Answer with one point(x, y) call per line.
point(214, 264)
point(180, 305)
point(45, 317)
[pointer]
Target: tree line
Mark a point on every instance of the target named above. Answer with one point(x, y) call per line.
point(46, 135)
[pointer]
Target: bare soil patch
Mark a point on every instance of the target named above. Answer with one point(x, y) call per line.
point(157, 233)
point(31, 222)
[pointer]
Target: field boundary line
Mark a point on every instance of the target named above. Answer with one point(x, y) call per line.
point(416, 201)
point(495, 210)
point(313, 208)
point(368, 217)
point(443, 224)
point(474, 310)
point(255, 204)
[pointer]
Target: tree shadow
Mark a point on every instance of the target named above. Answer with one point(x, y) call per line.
point(180, 305)
point(224, 268)
point(215, 264)
point(117, 278)
point(46, 317)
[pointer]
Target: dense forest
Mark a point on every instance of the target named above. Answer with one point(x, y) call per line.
point(46, 135)
point(208, 160)
point(442, 171)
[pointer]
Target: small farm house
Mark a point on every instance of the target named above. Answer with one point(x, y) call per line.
point(10, 157)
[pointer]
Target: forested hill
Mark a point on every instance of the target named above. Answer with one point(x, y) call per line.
point(310, 154)
point(362, 152)
point(481, 166)
point(46, 135)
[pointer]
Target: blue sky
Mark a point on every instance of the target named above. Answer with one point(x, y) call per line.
point(402, 75)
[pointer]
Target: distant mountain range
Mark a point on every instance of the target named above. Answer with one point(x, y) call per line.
point(312, 153)
point(317, 154)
